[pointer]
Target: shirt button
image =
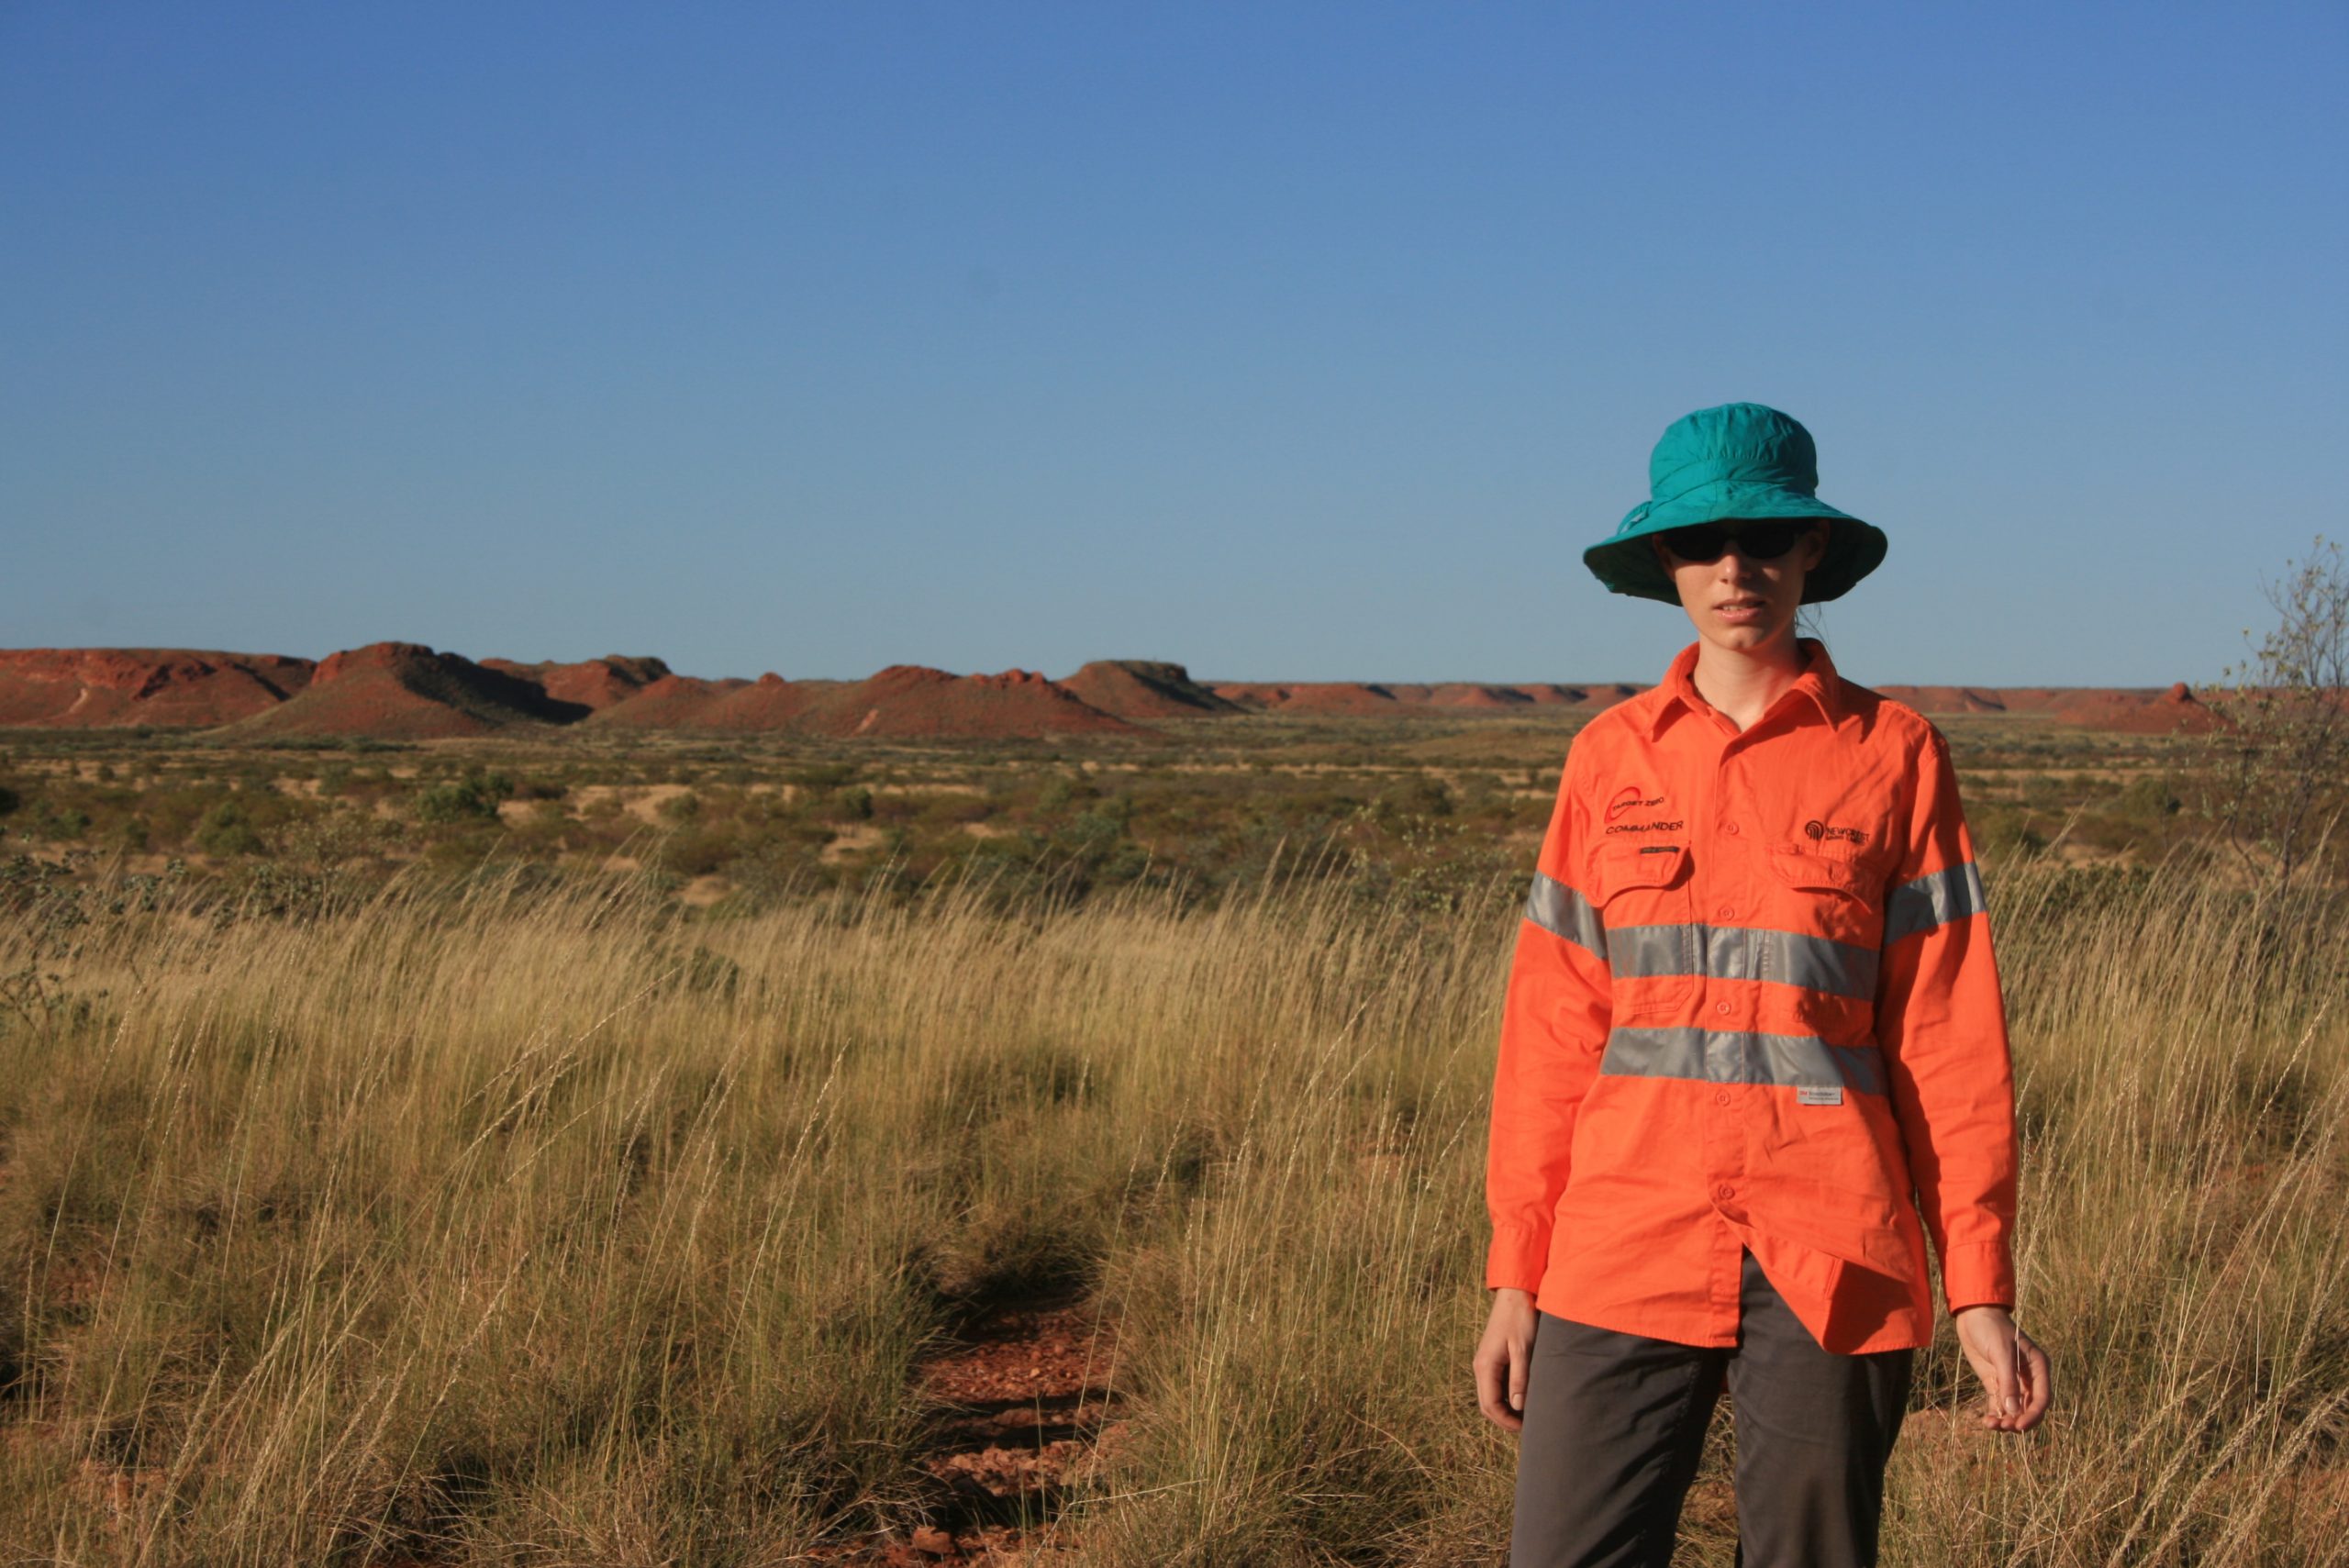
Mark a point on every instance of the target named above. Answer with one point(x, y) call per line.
point(1720, 1007)
point(1721, 1098)
point(1729, 829)
point(1724, 912)
point(1724, 1190)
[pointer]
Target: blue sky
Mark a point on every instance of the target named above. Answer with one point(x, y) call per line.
point(1286, 342)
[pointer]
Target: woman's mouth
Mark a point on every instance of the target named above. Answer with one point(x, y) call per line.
point(1738, 612)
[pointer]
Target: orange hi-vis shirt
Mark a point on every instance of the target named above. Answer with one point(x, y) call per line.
point(1754, 1007)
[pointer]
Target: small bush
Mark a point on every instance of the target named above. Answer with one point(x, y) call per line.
point(472, 798)
point(225, 830)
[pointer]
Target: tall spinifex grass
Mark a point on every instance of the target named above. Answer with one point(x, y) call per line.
point(2184, 1050)
point(529, 1226)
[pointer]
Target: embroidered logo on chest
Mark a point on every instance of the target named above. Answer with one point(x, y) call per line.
point(1631, 798)
point(1816, 829)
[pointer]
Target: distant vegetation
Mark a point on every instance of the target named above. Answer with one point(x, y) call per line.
point(1437, 810)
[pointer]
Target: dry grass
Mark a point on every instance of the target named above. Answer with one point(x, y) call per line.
point(539, 1227)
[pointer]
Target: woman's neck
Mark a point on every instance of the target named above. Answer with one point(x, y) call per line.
point(1741, 684)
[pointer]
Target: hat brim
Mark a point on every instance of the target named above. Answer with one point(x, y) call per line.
point(1626, 561)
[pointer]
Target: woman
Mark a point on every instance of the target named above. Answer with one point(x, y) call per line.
point(1752, 1052)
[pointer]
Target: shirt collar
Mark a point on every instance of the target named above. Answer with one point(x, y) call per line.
point(1818, 683)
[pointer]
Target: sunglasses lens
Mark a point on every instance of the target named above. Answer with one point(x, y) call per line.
point(1701, 543)
point(1755, 541)
point(1767, 542)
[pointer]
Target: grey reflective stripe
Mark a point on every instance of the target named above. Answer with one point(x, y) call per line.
point(1639, 950)
point(1560, 911)
point(1934, 899)
point(1741, 1056)
point(1746, 952)
point(1791, 958)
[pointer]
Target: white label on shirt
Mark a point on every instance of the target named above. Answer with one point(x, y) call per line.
point(1805, 1096)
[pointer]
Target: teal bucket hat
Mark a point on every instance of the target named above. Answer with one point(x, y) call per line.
point(1739, 461)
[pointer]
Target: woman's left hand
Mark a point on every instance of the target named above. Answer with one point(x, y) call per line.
point(2016, 1382)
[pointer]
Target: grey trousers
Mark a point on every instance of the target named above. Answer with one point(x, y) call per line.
point(1614, 1424)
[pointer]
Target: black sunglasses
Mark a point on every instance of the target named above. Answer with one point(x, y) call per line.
point(1756, 542)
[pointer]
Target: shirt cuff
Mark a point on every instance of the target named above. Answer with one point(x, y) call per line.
point(1978, 1273)
point(1517, 1259)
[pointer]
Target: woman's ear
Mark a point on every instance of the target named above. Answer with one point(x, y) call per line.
point(1814, 547)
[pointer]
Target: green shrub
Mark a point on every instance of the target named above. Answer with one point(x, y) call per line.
point(473, 798)
point(2148, 798)
point(64, 822)
point(228, 830)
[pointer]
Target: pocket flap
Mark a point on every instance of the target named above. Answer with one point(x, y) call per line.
point(1623, 866)
point(1806, 868)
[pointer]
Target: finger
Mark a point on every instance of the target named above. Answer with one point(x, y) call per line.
point(2039, 1386)
point(1489, 1383)
point(1519, 1358)
point(2000, 1398)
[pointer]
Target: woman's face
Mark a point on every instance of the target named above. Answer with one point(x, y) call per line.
point(1740, 603)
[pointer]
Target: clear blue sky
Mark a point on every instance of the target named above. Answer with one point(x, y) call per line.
point(1287, 342)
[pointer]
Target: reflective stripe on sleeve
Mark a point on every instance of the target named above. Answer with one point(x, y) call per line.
point(1934, 899)
point(1560, 911)
point(1741, 1056)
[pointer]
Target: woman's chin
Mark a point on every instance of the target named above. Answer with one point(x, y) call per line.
point(1746, 637)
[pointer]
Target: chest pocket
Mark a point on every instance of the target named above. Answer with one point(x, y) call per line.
point(1645, 897)
point(1835, 895)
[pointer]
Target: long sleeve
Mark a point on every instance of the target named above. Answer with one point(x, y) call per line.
point(1554, 1031)
point(1941, 1024)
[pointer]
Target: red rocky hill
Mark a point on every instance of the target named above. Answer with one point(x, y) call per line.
point(405, 691)
point(915, 702)
point(2173, 710)
point(176, 687)
point(909, 701)
point(593, 683)
point(1144, 688)
point(1362, 697)
point(673, 702)
point(768, 706)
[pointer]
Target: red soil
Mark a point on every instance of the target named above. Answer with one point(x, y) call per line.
point(1028, 1401)
point(177, 687)
point(1144, 688)
point(405, 691)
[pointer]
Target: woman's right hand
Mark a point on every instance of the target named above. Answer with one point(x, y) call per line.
point(1502, 1357)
